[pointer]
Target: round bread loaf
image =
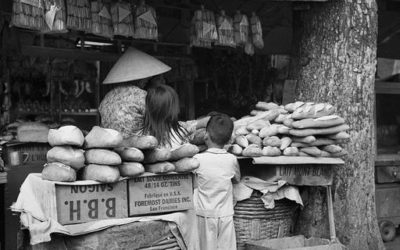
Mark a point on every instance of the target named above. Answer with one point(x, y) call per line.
point(101, 173)
point(56, 171)
point(66, 135)
point(67, 155)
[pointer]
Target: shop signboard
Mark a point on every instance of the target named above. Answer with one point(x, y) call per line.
point(78, 203)
point(152, 194)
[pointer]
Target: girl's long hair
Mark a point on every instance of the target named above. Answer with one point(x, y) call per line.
point(162, 115)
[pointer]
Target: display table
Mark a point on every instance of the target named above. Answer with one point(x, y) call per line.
point(137, 235)
point(298, 171)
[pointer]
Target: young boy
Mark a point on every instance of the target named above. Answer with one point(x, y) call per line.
point(213, 197)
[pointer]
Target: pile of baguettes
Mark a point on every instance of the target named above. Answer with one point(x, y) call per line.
point(296, 129)
point(103, 155)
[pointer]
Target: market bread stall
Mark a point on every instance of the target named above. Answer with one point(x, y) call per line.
point(280, 148)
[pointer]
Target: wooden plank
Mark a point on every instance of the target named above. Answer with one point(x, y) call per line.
point(282, 160)
point(91, 202)
point(73, 54)
point(3, 177)
point(299, 175)
point(387, 87)
point(160, 193)
point(387, 160)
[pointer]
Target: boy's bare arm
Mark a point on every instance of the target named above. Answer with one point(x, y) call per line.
point(236, 177)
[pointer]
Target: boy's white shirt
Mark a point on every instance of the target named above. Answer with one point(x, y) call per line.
point(213, 196)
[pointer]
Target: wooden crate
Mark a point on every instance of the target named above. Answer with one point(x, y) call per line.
point(83, 203)
point(152, 194)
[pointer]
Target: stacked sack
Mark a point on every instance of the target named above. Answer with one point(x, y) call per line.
point(102, 161)
point(66, 156)
point(160, 160)
point(296, 129)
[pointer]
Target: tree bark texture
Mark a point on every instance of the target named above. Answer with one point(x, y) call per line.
point(334, 61)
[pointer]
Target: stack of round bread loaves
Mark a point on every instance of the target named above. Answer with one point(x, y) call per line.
point(66, 155)
point(102, 161)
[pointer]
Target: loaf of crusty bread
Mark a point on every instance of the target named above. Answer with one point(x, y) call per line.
point(66, 135)
point(101, 173)
point(102, 157)
point(103, 138)
point(67, 155)
point(32, 132)
point(56, 171)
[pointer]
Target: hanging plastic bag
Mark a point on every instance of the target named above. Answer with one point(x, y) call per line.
point(54, 16)
point(256, 31)
point(28, 14)
point(122, 19)
point(204, 29)
point(225, 30)
point(101, 19)
point(146, 22)
point(249, 48)
point(241, 28)
point(78, 15)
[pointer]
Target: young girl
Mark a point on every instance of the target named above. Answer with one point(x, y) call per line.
point(161, 118)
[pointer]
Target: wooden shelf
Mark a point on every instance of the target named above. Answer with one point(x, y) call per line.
point(80, 113)
point(34, 113)
point(382, 87)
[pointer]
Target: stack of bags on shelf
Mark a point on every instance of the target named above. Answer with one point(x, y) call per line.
point(122, 19)
point(102, 161)
point(204, 29)
point(78, 15)
point(28, 14)
point(296, 129)
point(101, 19)
point(145, 22)
point(55, 16)
point(66, 156)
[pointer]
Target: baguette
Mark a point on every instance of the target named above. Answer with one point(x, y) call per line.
point(102, 157)
point(235, 149)
point(322, 122)
point(242, 130)
point(339, 136)
point(252, 151)
point(157, 155)
point(131, 169)
point(269, 131)
point(314, 151)
point(306, 139)
point(272, 141)
point(286, 141)
point(57, 171)
point(288, 122)
point(242, 141)
point(313, 111)
point(271, 151)
point(266, 106)
point(300, 145)
point(130, 154)
point(185, 150)
point(333, 149)
point(291, 107)
point(320, 131)
point(254, 139)
point(160, 167)
point(259, 124)
point(186, 165)
point(291, 151)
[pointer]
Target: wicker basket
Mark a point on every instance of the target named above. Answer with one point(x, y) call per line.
point(254, 222)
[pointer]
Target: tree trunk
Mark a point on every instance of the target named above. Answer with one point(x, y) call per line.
point(334, 62)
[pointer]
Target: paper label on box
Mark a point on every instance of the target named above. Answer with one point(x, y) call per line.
point(83, 203)
point(160, 193)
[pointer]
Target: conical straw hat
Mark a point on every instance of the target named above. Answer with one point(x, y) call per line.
point(133, 65)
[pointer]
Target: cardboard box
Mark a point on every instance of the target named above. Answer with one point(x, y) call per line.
point(77, 203)
point(151, 194)
point(294, 243)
